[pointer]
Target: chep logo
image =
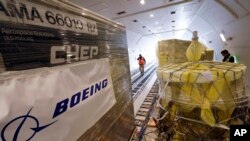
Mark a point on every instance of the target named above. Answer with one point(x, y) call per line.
point(23, 120)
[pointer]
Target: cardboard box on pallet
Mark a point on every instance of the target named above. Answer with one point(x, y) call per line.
point(208, 55)
point(202, 99)
point(174, 51)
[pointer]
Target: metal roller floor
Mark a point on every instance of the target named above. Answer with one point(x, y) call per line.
point(143, 114)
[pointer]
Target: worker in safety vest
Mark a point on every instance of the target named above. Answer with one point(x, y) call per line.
point(142, 62)
point(227, 56)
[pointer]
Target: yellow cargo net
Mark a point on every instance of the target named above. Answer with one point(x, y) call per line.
point(214, 89)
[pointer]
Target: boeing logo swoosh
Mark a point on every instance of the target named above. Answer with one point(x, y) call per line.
point(24, 118)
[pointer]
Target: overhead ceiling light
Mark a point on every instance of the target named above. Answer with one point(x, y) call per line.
point(122, 12)
point(142, 2)
point(156, 23)
point(222, 37)
point(173, 12)
point(151, 15)
point(83, 14)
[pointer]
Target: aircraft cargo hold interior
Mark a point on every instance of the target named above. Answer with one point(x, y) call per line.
point(124, 70)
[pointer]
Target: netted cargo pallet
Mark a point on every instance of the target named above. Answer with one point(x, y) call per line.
point(202, 99)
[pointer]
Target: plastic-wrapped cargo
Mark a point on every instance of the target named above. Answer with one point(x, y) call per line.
point(64, 68)
point(202, 98)
point(174, 51)
point(208, 55)
point(195, 49)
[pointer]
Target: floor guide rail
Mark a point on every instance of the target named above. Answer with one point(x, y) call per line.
point(136, 76)
point(139, 76)
point(138, 86)
point(144, 113)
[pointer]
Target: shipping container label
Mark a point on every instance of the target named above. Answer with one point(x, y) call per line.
point(33, 14)
point(38, 35)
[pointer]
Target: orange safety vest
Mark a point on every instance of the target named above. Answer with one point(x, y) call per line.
point(141, 61)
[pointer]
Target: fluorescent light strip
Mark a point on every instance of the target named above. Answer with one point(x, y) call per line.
point(222, 37)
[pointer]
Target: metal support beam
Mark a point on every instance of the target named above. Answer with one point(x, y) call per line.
point(230, 10)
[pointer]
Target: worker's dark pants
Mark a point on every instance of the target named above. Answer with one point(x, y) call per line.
point(141, 68)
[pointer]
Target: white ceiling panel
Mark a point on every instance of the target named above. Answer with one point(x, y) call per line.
point(200, 25)
point(134, 6)
point(86, 3)
point(99, 7)
point(237, 7)
point(161, 9)
point(235, 30)
point(245, 4)
point(218, 16)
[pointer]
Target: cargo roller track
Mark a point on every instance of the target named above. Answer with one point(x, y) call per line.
point(141, 80)
point(143, 115)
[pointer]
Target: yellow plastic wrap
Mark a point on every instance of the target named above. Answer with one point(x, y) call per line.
point(206, 96)
point(195, 51)
point(206, 113)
